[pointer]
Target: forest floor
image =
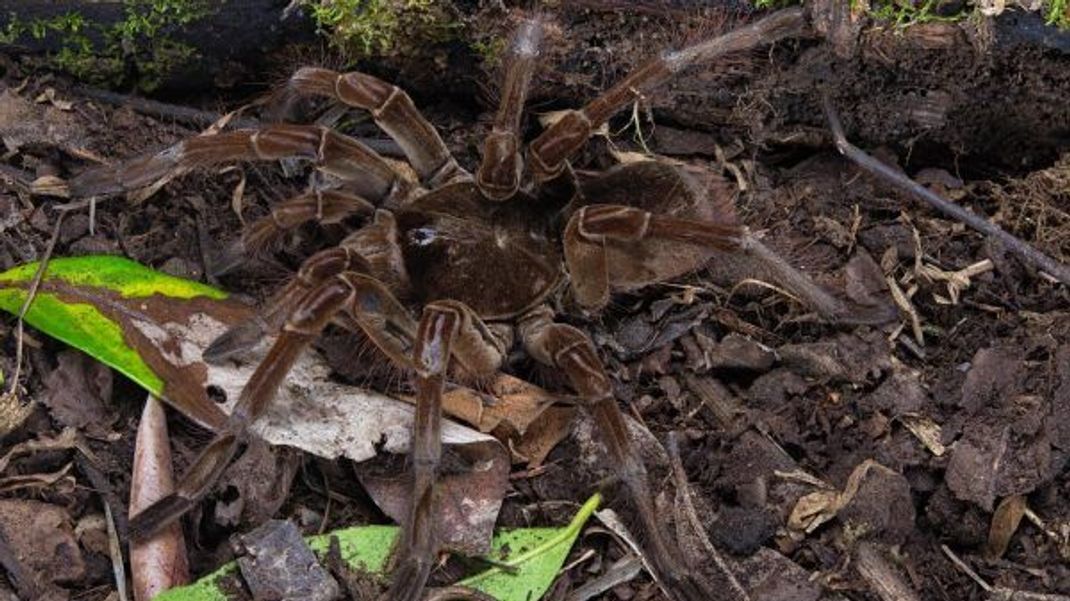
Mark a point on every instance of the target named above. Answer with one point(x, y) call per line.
point(931, 437)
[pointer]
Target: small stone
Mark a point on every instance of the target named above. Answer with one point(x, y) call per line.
point(278, 564)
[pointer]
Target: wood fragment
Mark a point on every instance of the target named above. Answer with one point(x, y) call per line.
point(159, 562)
point(724, 405)
point(883, 578)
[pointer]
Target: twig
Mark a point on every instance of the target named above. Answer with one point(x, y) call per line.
point(683, 497)
point(1031, 255)
point(162, 110)
point(30, 294)
point(115, 550)
point(1001, 593)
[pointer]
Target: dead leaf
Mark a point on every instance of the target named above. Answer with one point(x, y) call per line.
point(544, 434)
point(67, 439)
point(815, 509)
point(13, 412)
point(23, 122)
point(78, 392)
point(469, 492)
point(925, 430)
point(1004, 524)
point(158, 562)
point(49, 96)
point(42, 538)
point(60, 480)
point(887, 496)
point(317, 415)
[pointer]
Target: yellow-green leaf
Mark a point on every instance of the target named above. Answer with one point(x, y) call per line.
point(536, 554)
point(128, 317)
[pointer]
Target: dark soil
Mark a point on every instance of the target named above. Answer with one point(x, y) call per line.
point(980, 114)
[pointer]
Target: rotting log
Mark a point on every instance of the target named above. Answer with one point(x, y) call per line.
point(162, 46)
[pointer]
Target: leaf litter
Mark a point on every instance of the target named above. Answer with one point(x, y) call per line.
point(822, 412)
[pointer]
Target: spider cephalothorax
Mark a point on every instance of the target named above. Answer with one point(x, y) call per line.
point(449, 272)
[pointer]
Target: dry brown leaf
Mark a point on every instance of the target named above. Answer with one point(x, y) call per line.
point(60, 479)
point(543, 435)
point(159, 562)
point(1005, 522)
point(514, 405)
point(49, 96)
point(925, 430)
point(816, 508)
point(13, 412)
point(67, 439)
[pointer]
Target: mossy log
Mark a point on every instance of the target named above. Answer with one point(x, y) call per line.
point(153, 45)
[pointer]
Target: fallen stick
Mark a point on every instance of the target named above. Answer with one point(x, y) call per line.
point(1037, 259)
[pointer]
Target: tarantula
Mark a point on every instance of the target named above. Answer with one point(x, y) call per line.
point(476, 256)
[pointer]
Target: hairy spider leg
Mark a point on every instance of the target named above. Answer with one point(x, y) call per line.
point(549, 152)
point(372, 249)
point(313, 313)
point(591, 226)
point(499, 173)
point(318, 206)
point(393, 111)
point(569, 349)
point(448, 330)
point(368, 175)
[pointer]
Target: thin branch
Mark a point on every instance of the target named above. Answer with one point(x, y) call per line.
point(30, 294)
point(1031, 255)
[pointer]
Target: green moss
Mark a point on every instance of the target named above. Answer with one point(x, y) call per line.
point(490, 51)
point(138, 46)
point(904, 13)
point(1058, 14)
point(363, 28)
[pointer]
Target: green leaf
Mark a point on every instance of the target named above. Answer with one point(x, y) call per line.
point(118, 274)
point(82, 326)
point(536, 554)
point(126, 316)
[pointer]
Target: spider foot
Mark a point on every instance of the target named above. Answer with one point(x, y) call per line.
point(409, 579)
point(161, 513)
